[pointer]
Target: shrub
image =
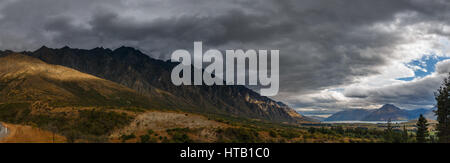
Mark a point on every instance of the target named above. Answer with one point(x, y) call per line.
point(289, 134)
point(179, 135)
point(145, 138)
point(92, 122)
point(273, 133)
point(124, 138)
point(240, 135)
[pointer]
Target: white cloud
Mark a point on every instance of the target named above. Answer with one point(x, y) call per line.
point(373, 90)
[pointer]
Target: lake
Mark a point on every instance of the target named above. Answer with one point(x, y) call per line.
point(370, 122)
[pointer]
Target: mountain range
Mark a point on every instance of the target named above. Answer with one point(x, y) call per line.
point(386, 112)
point(135, 75)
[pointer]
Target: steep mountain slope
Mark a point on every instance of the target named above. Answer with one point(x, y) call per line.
point(67, 101)
point(136, 70)
point(27, 79)
point(349, 115)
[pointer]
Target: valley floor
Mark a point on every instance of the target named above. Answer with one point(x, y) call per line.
point(180, 127)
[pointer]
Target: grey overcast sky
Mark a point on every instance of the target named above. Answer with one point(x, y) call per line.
point(334, 55)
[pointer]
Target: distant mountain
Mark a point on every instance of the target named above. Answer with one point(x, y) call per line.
point(387, 112)
point(349, 115)
point(384, 113)
point(414, 114)
point(316, 118)
point(151, 77)
point(429, 114)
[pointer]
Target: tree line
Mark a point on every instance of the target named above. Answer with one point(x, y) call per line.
point(422, 134)
point(443, 119)
point(443, 112)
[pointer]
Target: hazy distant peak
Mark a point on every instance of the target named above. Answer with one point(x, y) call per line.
point(389, 107)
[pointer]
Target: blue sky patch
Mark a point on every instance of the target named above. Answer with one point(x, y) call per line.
point(424, 66)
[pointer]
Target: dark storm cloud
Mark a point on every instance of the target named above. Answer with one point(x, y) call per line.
point(235, 26)
point(322, 43)
point(174, 32)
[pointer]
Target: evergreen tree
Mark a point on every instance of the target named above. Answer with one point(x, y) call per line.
point(443, 112)
point(405, 136)
point(389, 127)
point(388, 132)
point(422, 130)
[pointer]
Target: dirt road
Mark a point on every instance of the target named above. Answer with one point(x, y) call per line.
point(3, 131)
point(27, 134)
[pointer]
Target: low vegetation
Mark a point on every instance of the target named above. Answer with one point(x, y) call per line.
point(97, 123)
point(87, 125)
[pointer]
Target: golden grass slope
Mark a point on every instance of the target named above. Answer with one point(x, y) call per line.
point(24, 78)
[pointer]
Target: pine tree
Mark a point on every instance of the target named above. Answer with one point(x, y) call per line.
point(443, 112)
point(389, 127)
point(422, 130)
point(388, 132)
point(405, 136)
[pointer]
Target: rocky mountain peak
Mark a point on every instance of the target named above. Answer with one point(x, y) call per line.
point(43, 49)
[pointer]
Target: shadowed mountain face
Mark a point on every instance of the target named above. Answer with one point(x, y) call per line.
point(384, 113)
point(131, 68)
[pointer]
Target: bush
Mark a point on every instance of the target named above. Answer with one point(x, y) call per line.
point(179, 135)
point(273, 134)
point(239, 135)
point(124, 138)
point(14, 112)
point(145, 138)
point(181, 138)
point(289, 134)
point(92, 122)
